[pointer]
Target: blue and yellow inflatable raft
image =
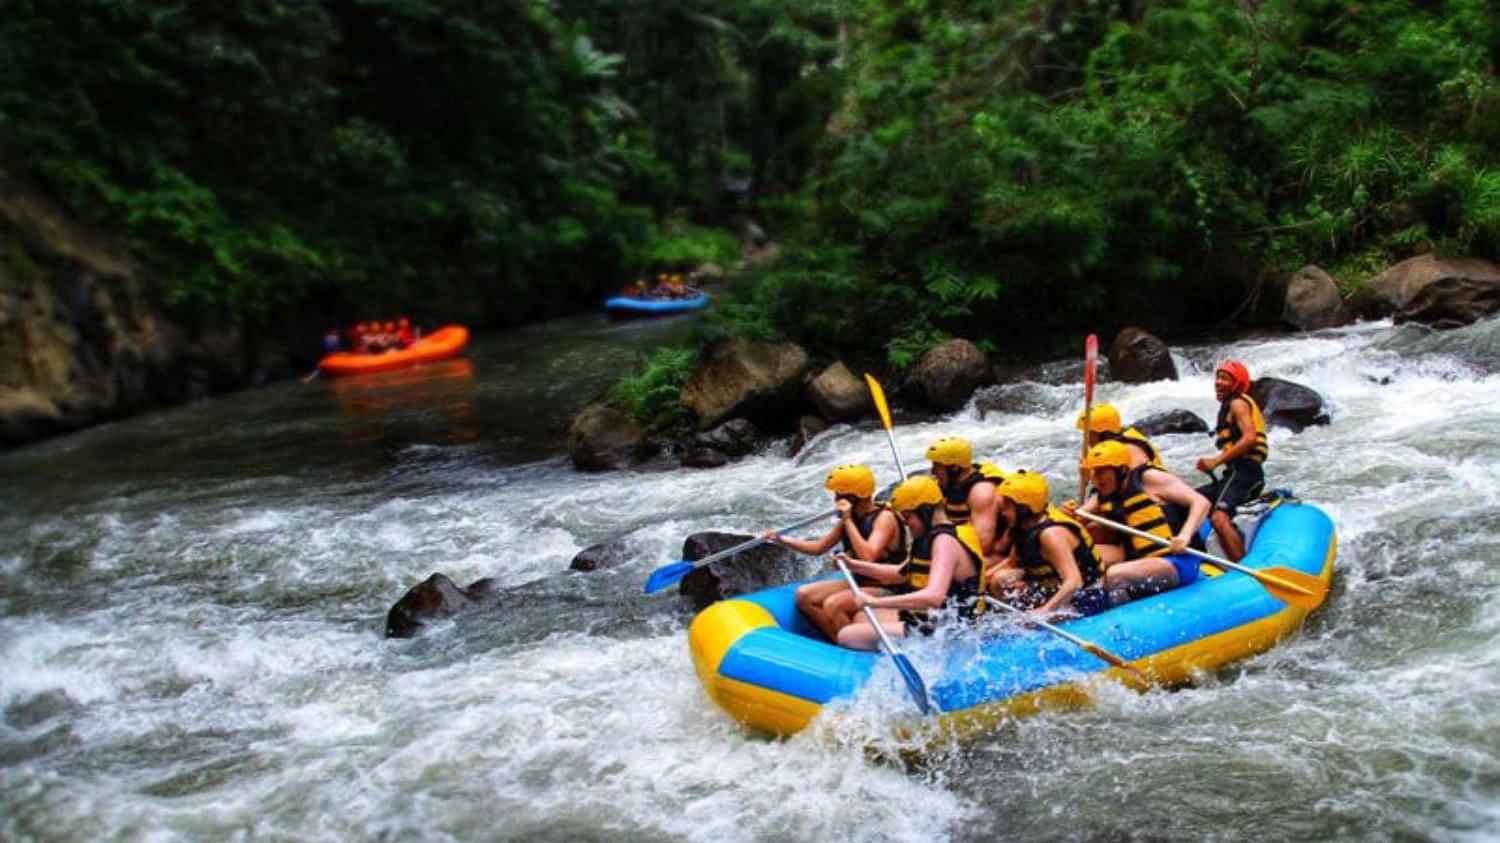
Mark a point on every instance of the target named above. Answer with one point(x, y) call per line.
point(762, 662)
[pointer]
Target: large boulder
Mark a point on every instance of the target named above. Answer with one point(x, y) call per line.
point(1390, 292)
point(949, 374)
point(1313, 300)
point(740, 377)
point(1287, 404)
point(602, 437)
point(1452, 303)
point(750, 570)
point(702, 456)
point(734, 438)
point(433, 599)
point(1173, 421)
point(839, 395)
point(1139, 356)
point(808, 428)
point(599, 557)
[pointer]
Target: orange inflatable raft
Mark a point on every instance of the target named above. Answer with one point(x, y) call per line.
point(445, 342)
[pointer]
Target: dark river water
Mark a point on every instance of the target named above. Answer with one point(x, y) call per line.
point(191, 607)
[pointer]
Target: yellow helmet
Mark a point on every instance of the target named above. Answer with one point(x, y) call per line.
point(951, 450)
point(1104, 419)
point(1025, 488)
point(856, 480)
point(916, 492)
point(1108, 455)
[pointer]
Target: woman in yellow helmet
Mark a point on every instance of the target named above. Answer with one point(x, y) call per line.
point(1056, 565)
point(1153, 501)
point(943, 568)
point(869, 532)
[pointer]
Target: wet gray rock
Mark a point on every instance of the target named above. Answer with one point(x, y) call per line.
point(602, 438)
point(701, 456)
point(734, 438)
point(839, 395)
point(808, 427)
point(1390, 292)
point(1287, 404)
point(1173, 421)
point(1477, 345)
point(949, 374)
point(1139, 356)
point(746, 378)
point(434, 599)
point(600, 557)
point(1313, 301)
point(752, 570)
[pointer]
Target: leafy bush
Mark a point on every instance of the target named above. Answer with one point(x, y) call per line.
point(652, 396)
point(685, 246)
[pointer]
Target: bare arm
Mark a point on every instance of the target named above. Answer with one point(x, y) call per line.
point(888, 574)
point(1057, 548)
point(982, 515)
point(946, 553)
point(873, 548)
point(1165, 486)
point(811, 547)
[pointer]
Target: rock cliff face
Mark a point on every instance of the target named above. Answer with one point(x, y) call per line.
point(80, 338)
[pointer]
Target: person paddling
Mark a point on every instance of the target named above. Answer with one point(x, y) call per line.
point(945, 567)
point(870, 533)
point(1056, 566)
point(969, 492)
point(1240, 436)
point(1149, 499)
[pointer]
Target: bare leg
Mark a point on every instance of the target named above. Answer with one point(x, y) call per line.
point(1229, 537)
point(810, 600)
point(861, 636)
point(1152, 572)
point(840, 607)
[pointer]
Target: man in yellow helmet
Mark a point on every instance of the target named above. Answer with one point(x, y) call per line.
point(1153, 501)
point(1057, 567)
point(869, 532)
point(969, 492)
point(1240, 436)
point(945, 566)
point(1105, 426)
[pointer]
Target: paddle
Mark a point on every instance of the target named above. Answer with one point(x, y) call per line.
point(908, 671)
point(311, 376)
point(1286, 584)
point(668, 574)
point(1090, 364)
point(885, 418)
point(1093, 649)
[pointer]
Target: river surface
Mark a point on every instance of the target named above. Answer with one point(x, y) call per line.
point(192, 602)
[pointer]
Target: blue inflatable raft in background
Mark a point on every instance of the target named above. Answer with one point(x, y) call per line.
point(625, 307)
point(762, 662)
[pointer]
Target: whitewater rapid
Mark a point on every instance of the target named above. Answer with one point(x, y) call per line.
point(191, 608)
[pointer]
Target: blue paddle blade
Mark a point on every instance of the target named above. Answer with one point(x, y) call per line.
point(667, 575)
point(913, 681)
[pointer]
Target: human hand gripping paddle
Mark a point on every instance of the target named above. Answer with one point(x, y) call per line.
point(1285, 584)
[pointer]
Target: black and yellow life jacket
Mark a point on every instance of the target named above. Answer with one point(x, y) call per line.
point(866, 525)
point(1132, 506)
point(1227, 433)
point(1131, 436)
point(956, 497)
point(1041, 579)
point(967, 594)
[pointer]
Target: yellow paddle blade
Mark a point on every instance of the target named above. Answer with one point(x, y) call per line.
point(879, 395)
point(1291, 586)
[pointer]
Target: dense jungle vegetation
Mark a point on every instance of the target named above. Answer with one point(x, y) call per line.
point(999, 169)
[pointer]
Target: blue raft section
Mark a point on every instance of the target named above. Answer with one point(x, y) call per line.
point(623, 307)
point(761, 661)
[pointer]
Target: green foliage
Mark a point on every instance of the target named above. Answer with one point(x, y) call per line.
point(652, 396)
point(685, 246)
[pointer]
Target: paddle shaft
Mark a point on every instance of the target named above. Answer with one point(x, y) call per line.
point(1090, 365)
point(1207, 557)
point(759, 540)
point(877, 394)
point(1093, 649)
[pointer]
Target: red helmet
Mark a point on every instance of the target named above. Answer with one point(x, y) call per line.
point(1238, 374)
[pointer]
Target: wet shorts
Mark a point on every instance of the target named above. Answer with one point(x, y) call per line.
point(1241, 481)
point(1187, 568)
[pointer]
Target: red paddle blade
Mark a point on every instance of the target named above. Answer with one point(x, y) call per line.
point(1090, 365)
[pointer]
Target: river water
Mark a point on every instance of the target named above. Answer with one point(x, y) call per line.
point(191, 608)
